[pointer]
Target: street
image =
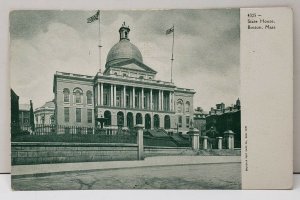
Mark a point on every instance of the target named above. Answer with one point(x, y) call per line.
point(199, 176)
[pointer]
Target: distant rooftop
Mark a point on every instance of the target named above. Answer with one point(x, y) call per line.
point(24, 107)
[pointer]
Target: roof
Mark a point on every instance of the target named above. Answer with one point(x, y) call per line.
point(48, 105)
point(124, 49)
point(24, 107)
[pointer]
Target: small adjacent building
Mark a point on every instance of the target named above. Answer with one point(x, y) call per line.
point(45, 114)
point(14, 106)
point(200, 119)
point(222, 118)
point(24, 116)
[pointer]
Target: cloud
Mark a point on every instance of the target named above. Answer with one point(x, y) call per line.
point(206, 49)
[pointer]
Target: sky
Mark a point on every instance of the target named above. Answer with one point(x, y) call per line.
point(206, 49)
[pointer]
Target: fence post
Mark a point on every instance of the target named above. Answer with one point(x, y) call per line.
point(140, 141)
point(194, 133)
point(205, 142)
point(219, 142)
point(230, 139)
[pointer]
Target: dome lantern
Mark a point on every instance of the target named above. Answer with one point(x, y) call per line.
point(124, 32)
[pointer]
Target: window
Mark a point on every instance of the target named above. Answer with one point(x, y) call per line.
point(90, 115)
point(43, 119)
point(26, 121)
point(179, 121)
point(127, 101)
point(78, 95)
point(136, 101)
point(106, 97)
point(179, 106)
point(187, 121)
point(187, 106)
point(67, 114)
point(118, 101)
point(66, 93)
point(78, 114)
point(51, 119)
point(89, 98)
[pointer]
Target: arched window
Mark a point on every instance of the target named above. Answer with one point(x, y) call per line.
point(147, 121)
point(120, 118)
point(187, 106)
point(179, 106)
point(77, 95)
point(43, 119)
point(52, 119)
point(139, 118)
point(167, 122)
point(66, 93)
point(107, 117)
point(130, 120)
point(156, 121)
point(89, 97)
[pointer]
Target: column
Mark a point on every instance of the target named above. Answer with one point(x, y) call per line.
point(98, 94)
point(133, 97)
point(142, 98)
point(159, 99)
point(140, 142)
point(115, 95)
point(101, 94)
point(170, 101)
point(125, 119)
point(124, 96)
point(151, 107)
point(111, 95)
point(162, 100)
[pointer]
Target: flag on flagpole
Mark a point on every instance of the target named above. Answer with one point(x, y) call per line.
point(170, 30)
point(94, 17)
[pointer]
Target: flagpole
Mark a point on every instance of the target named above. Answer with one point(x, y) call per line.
point(172, 59)
point(99, 45)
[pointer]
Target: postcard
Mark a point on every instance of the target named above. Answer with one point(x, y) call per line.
point(151, 99)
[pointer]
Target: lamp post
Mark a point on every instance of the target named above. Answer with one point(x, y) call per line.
point(101, 119)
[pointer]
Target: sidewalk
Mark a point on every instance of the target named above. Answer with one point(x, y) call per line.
point(47, 169)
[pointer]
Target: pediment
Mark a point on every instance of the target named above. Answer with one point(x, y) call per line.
point(134, 65)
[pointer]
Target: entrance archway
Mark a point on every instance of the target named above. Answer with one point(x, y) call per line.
point(139, 118)
point(156, 121)
point(130, 120)
point(107, 117)
point(147, 121)
point(120, 118)
point(167, 122)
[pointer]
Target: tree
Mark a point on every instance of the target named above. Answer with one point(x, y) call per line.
point(31, 117)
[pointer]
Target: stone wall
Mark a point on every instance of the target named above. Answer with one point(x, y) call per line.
point(42, 153)
point(169, 151)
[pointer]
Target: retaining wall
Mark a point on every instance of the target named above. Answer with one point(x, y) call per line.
point(42, 153)
point(169, 151)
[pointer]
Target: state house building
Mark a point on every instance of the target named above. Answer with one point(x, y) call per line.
point(126, 94)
